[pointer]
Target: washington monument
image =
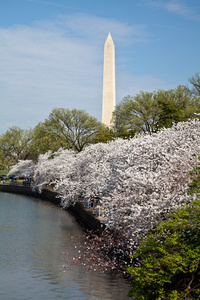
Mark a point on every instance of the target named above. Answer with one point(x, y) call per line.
point(109, 98)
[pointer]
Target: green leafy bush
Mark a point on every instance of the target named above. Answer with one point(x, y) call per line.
point(167, 263)
point(194, 187)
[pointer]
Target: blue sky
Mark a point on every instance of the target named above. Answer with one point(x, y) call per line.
point(51, 52)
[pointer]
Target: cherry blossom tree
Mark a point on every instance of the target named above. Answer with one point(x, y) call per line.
point(138, 181)
point(50, 166)
point(24, 168)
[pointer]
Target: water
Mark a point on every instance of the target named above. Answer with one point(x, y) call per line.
point(35, 236)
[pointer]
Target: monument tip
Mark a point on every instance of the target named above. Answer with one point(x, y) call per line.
point(109, 39)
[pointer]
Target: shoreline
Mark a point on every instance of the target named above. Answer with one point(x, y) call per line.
point(84, 217)
point(99, 239)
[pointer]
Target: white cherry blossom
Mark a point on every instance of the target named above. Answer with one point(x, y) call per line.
point(24, 168)
point(138, 181)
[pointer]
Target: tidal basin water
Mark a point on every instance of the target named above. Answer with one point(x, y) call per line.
point(35, 236)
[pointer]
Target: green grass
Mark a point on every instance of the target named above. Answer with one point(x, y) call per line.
point(3, 172)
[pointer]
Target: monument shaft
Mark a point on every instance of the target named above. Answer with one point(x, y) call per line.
point(109, 97)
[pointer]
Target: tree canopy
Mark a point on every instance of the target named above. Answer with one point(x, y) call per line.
point(195, 81)
point(71, 129)
point(136, 114)
point(146, 112)
point(149, 111)
point(176, 105)
point(44, 140)
point(104, 134)
point(15, 144)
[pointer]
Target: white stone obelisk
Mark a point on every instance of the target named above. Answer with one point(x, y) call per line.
point(109, 97)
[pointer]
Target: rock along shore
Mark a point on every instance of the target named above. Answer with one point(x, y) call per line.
point(85, 217)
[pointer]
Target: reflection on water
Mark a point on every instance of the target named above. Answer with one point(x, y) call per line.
point(34, 235)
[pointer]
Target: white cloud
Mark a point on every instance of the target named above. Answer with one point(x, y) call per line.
point(59, 64)
point(176, 7)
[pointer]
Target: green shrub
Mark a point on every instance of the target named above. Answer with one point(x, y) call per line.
point(194, 187)
point(167, 263)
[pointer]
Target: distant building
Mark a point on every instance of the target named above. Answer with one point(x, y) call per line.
point(109, 97)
